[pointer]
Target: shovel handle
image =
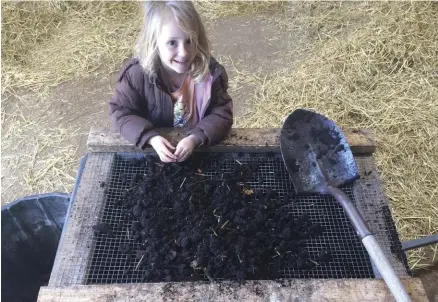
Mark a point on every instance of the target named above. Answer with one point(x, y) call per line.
point(372, 246)
point(385, 269)
point(359, 224)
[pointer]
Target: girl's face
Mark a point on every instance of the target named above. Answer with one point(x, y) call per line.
point(174, 48)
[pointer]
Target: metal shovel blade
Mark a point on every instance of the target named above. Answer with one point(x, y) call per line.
point(316, 153)
point(319, 160)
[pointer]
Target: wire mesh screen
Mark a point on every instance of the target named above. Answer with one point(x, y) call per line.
point(109, 264)
point(376, 212)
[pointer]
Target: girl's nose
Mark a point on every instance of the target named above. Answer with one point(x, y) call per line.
point(183, 50)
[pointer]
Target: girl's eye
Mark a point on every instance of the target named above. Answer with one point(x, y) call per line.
point(171, 43)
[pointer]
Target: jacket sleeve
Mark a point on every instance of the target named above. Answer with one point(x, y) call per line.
point(219, 115)
point(127, 115)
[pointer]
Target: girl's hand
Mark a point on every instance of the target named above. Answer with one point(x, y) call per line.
point(186, 146)
point(163, 148)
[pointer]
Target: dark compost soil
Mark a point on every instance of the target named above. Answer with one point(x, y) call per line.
point(191, 226)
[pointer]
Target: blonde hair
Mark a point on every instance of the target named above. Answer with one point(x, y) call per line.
point(146, 48)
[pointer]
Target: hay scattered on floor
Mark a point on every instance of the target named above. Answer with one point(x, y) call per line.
point(214, 10)
point(47, 43)
point(43, 155)
point(381, 76)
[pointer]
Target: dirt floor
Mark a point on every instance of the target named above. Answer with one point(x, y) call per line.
point(429, 279)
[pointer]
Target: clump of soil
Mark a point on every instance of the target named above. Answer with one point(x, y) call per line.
point(193, 226)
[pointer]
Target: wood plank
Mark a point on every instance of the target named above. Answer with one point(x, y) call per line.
point(76, 244)
point(107, 140)
point(287, 290)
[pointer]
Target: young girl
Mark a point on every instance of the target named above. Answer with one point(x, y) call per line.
point(172, 81)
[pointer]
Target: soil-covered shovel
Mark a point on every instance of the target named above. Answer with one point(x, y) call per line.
point(319, 160)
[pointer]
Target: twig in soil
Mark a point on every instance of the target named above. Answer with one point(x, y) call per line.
point(131, 188)
point(183, 182)
point(240, 260)
point(277, 252)
point(208, 275)
point(316, 263)
point(140, 262)
point(127, 231)
point(170, 242)
point(179, 169)
point(200, 174)
point(224, 224)
point(238, 162)
point(201, 220)
point(214, 232)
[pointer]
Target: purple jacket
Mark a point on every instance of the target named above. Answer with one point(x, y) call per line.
point(139, 105)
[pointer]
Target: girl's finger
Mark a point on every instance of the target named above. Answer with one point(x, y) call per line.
point(166, 159)
point(162, 158)
point(182, 156)
point(169, 154)
point(168, 144)
point(185, 155)
point(178, 151)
